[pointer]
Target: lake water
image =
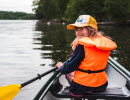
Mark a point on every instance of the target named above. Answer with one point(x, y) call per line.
point(28, 47)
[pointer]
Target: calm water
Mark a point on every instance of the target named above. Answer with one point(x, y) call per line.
point(30, 47)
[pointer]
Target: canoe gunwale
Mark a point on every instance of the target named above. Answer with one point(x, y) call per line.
point(125, 73)
point(55, 88)
point(46, 87)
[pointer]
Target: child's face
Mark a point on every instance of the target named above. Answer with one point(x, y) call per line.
point(81, 31)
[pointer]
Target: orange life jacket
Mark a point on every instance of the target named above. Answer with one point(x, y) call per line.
point(97, 51)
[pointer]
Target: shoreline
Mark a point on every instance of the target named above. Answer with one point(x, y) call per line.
point(114, 23)
point(99, 23)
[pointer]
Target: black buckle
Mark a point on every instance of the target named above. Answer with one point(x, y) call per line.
point(89, 71)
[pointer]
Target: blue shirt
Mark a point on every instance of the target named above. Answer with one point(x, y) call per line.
point(72, 64)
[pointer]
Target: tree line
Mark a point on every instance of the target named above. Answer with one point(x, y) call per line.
point(69, 10)
point(4, 15)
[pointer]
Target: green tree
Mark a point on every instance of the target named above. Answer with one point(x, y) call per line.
point(50, 9)
point(69, 10)
point(117, 10)
point(15, 15)
point(79, 7)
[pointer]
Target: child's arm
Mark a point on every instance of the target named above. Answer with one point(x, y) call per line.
point(75, 60)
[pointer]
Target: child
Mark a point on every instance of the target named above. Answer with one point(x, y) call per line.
point(89, 59)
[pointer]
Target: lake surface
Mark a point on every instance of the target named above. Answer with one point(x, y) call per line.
point(28, 47)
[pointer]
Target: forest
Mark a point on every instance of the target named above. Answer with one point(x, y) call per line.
point(9, 15)
point(69, 10)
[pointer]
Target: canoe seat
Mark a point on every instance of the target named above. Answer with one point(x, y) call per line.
point(109, 93)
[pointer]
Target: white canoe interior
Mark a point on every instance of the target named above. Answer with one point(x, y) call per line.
point(118, 86)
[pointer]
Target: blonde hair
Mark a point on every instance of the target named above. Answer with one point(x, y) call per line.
point(92, 32)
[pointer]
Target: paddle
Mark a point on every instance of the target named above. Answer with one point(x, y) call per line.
point(10, 91)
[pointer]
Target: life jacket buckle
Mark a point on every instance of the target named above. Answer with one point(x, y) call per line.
point(89, 71)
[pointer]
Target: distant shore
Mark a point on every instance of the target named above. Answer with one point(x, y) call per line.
point(99, 23)
point(114, 23)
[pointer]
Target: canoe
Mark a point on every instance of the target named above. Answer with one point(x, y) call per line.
point(118, 86)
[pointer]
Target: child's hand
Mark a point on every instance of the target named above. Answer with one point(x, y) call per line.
point(59, 64)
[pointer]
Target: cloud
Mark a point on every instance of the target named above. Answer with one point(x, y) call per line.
point(16, 5)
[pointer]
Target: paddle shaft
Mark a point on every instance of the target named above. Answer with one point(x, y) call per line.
point(38, 77)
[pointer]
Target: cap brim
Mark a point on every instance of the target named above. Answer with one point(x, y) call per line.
point(71, 26)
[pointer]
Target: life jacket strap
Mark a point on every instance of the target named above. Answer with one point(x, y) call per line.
point(89, 71)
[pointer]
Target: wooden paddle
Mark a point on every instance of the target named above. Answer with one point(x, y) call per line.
point(10, 91)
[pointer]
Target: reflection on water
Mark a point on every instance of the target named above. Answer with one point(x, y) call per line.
point(121, 35)
point(30, 47)
point(19, 62)
point(56, 39)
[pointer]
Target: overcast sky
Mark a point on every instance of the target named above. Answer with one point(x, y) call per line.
point(16, 5)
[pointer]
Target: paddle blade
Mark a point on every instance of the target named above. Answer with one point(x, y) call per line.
point(9, 92)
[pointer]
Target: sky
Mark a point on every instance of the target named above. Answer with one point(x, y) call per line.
point(16, 5)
